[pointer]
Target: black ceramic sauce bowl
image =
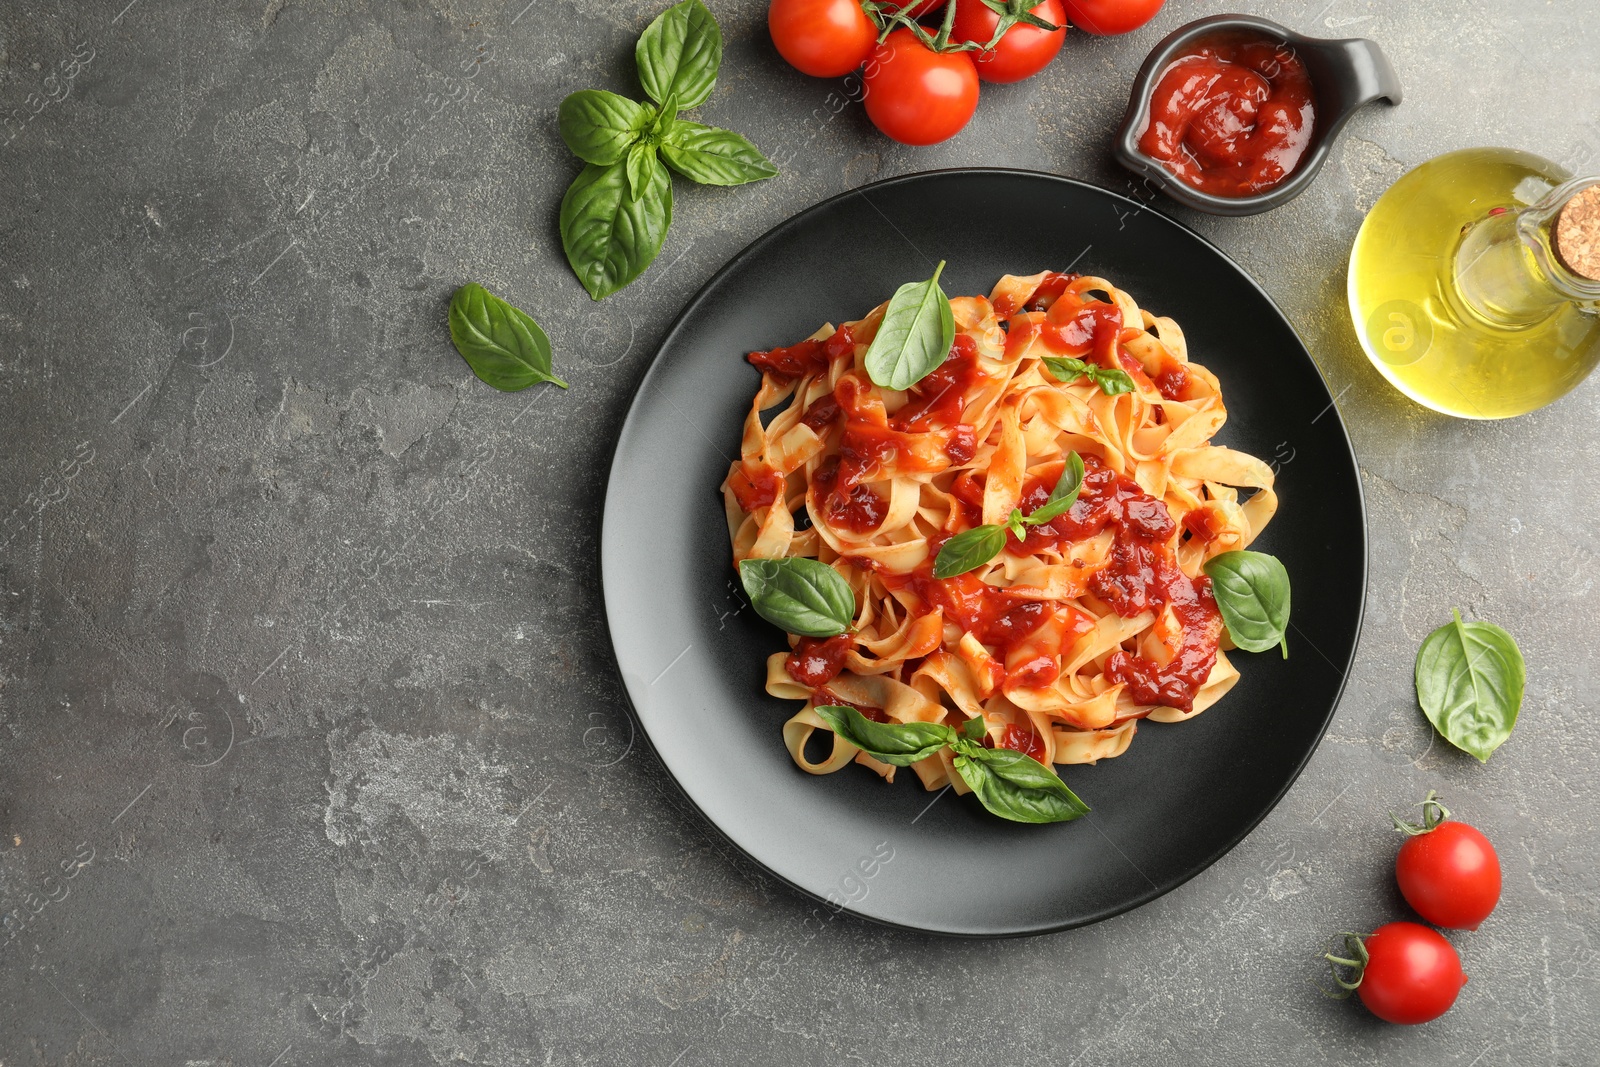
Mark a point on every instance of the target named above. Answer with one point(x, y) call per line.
point(1346, 75)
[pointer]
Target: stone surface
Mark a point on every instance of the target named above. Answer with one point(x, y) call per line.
point(299, 622)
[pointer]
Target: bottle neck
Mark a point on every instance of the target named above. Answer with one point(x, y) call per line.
point(1506, 271)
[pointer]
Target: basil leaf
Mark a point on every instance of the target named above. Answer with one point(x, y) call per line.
point(1111, 382)
point(969, 550)
point(1252, 591)
point(914, 337)
point(501, 344)
point(1066, 368)
point(641, 169)
point(1064, 495)
point(899, 744)
point(711, 156)
point(599, 126)
point(666, 118)
point(974, 728)
point(802, 596)
point(1015, 786)
point(609, 237)
point(1470, 677)
point(1016, 524)
point(679, 54)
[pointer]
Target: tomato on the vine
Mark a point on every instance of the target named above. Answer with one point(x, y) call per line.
point(916, 95)
point(1404, 972)
point(1106, 17)
point(823, 38)
point(1024, 50)
point(1448, 871)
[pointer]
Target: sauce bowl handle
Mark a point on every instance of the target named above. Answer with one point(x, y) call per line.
point(1358, 72)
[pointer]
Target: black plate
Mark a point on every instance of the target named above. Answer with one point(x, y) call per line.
point(692, 654)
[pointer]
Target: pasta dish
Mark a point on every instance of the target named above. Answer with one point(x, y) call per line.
point(1080, 627)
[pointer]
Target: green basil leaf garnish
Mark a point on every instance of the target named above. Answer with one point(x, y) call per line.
point(599, 126)
point(969, 550)
point(914, 337)
point(897, 744)
point(1112, 382)
point(803, 596)
point(501, 344)
point(1252, 592)
point(1015, 786)
point(711, 156)
point(1470, 677)
point(679, 53)
point(641, 169)
point(974, 728)
point(1064, 495)
point(1067, 369)
point(1017, 525)
point(609, 236)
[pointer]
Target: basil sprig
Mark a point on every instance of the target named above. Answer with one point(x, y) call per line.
point(502, 344)
point(1112, 382)
point(615, 216)
point(914, 337)
point(1470, 678)
point(1010, 784)
point(971, 549)
point(802, 596)
point(1252, 592)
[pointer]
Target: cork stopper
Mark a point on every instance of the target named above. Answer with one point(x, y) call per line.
point(1577, 234)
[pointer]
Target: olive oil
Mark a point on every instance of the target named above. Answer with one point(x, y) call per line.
point(1456, 292)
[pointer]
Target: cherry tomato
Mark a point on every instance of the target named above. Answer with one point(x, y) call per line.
point(1107, 17)
point(1450, 874)
point(916, 95)
point(1023, 52)
point(1412, 974)
point(822, 38)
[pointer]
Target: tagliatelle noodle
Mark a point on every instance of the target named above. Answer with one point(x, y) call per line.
point(1065, 641)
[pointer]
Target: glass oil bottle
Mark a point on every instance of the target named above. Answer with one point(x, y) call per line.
point(1474, 282)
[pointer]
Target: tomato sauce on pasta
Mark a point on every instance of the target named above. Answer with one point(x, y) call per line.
point(1068, 639)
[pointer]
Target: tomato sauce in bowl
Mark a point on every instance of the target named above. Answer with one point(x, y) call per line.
point(1232, 114)
point(1235, 114)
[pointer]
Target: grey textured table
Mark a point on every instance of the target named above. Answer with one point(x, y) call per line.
point(304, 678)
